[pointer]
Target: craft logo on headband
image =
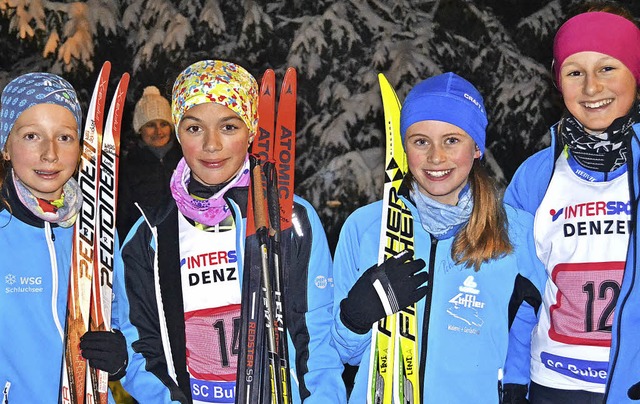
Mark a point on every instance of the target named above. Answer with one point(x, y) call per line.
point(473, 100)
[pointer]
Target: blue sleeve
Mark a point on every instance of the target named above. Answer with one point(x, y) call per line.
point(347, 265)
point(141, 384)
point(530, 181)
point(323, 377)
point(518, 363)
point(517, 366)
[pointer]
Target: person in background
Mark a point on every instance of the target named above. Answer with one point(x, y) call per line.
point(147, 165)
point(584, 345)
point(185, 325)
point(473, 257)
point(40, 127)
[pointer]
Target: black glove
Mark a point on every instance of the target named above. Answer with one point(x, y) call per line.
point(514, 394)
point(634, 392)
point(106, 350)
point(383, 290)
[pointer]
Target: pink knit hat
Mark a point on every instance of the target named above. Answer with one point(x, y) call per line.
point(601, 32)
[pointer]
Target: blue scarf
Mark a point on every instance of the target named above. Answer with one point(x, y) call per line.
point(441, 220)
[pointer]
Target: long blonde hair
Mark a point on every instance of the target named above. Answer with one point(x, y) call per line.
point(486, 234)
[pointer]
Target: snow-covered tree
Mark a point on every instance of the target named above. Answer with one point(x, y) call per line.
point(338, 48)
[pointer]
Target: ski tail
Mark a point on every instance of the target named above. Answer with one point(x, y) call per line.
point(393, 375)
point(102, 285)
point(79, 297)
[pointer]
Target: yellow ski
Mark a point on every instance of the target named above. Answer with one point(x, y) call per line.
point(394, 347)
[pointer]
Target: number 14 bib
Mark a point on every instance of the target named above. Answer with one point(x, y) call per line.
point(211, 298)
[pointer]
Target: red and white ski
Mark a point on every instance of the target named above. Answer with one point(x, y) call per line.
point(80, 279)
point(90, 281)
point(102, 286)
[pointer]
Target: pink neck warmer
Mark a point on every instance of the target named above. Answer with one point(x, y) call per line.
point(205, 211)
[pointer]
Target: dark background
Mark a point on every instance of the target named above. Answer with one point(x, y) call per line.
point(337, 46)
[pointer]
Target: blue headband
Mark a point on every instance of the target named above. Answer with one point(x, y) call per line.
point(447, 98)
point(32, 89)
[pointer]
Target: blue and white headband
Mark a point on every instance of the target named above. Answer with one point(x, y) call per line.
point(32, 89)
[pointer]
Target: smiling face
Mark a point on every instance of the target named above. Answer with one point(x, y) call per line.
point(156, 133)
point(43, 148)
point(596, 89)
point(440, 157)
point(214, 142)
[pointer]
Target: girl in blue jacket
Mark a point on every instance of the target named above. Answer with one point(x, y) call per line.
point(40, 123)
point(584, 347)
point(185, 260)
point(474, 257)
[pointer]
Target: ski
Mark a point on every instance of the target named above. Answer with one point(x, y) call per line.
point(274, 151)
point(280, 187)
point(249, 380)
point(80, 279)
point(262, 229)
point(278, 156)
point(393, 372)
point(102, 286)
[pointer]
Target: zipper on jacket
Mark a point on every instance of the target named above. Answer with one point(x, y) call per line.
point(633, 243)
point(500, 392)
point(54, 277)
point(427, 312)
point(5, 393)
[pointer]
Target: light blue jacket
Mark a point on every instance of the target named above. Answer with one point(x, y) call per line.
point(462, 346)
point(36, 260)
point(526, 191)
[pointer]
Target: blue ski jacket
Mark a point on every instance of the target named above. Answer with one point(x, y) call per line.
point(464, 319)
point(157, 372)
point(36, 260)
point(526, 191)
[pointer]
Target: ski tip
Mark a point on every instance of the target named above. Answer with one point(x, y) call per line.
point(290, 82)
point(291, 71)
point(124, 79)
point(106, 66)
point(268, 73)
point(382, 79)
point(268, 82)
